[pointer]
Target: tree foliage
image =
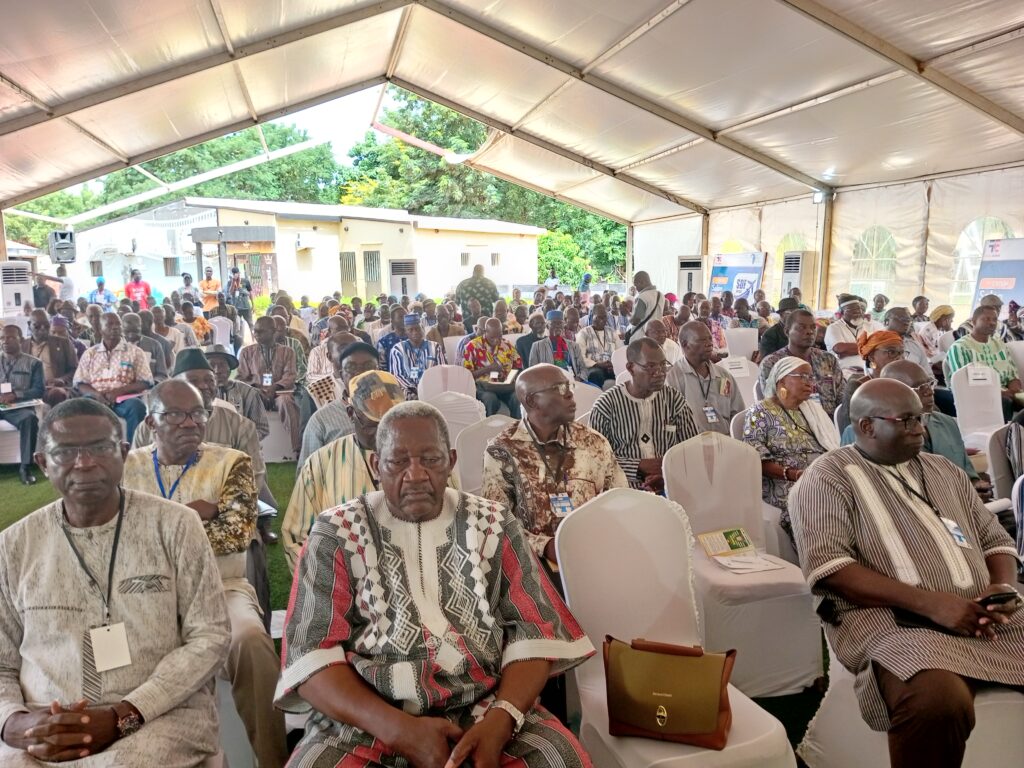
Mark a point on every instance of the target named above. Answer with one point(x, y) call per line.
point(560, 252)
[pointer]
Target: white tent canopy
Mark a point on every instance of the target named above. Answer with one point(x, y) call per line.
point(638, 110)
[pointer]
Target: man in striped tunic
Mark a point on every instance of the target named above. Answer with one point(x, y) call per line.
point(643, 418)
point(890, 537)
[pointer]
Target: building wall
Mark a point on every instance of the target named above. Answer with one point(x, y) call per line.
point(440, 258)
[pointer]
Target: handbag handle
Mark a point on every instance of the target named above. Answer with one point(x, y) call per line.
point(639, 644)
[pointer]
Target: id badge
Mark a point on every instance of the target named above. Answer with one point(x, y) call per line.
point(954, 530)
point(268, 379)
point(6, 388)
point(110, 647)
point(561, 504)
point(414, 373)
point(710, 414)
point(816, 397)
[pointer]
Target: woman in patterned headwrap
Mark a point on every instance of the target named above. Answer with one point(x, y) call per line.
point(878, 349)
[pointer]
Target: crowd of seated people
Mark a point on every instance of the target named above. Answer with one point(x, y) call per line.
point(151, 422)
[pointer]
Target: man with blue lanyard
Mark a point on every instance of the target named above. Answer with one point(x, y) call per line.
point(411, 357)
point(218, 484)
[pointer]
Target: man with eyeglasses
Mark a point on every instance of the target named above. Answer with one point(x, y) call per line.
point(21, 381)
point(903, 556)
point(112, 616)
point(341, 469)
point(218, 484)
point(709, 389)
point(271, 368)
point(642, 418)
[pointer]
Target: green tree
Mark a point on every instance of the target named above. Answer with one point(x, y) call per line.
point(58, 204)
point(560, 252)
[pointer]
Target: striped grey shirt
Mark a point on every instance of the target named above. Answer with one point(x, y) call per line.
point(846, 509)
point(641, 429)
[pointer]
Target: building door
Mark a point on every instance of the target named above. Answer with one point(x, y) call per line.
point(347, 261)
point(403, 278)
point(371, 273)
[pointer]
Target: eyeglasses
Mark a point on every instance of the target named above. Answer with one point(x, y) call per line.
point(563, 388)
point(66, 456)
point(906, 421)
point(177, 418)
point(654, 367)
point(808, 377)
point(926, 387)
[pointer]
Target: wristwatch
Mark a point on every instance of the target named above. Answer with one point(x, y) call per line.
point(518, 718)
point(128, 719)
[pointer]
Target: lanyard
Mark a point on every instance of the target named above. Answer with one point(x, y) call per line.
point(113, 558)
point(907, 486)
point(268, 358)
point(700, 382)
point(561, 462)
point(160, 480)
point(805, 430)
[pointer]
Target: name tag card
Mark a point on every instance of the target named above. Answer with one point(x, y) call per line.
point(979, 377)
point(954, 530)
point(561, 504)
point(6, 388)
point(110, 647)
point(737, 366)
point(710, 414)
point(268, 379)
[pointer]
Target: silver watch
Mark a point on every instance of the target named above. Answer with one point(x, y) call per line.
point(518, 718)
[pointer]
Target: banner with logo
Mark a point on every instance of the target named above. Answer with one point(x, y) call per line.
point(1001, 271)
point(740, 273)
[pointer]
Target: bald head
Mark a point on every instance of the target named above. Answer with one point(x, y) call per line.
point(886, 418)
point(656, 331)
point(546, 397)
point(536, 377)
point(882, 397)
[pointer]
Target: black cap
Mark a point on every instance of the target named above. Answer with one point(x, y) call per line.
point(191, 359)
point(357, 346)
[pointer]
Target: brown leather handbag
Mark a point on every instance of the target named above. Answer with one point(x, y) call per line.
point(668, 692)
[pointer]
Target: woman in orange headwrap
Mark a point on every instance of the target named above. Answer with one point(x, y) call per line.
point(878, 349)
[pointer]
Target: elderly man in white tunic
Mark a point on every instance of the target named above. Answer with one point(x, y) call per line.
point(915, 579)
point(112, 615)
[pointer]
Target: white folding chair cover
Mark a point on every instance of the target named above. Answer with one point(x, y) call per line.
point(10, 438)
point(736, 425)
point(585, 396)
point(838, 737)
point(234, 742)
point(446, 378)
point(584, 419)
point(979, 407)
point(1016, 350)
point(946, 341)
point(277, 445)
point(459, 411)
point(221, 331)
point(470, 446)
point(512, 338)
point(742, 342)
point(624, 560)
point(745, 372)
point(619, 360)
point(451, 347)
point(767, 617)
point(622, 378)
point(999, 465)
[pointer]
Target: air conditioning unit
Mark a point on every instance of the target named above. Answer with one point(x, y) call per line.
point(691, 275)
point(62, 246)
point(800, 270)
point(15, 286)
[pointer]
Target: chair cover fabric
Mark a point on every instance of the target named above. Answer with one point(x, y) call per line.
point(470, 447)
point(1016, 350)
point(742, 342)
point(979, 408)
point(999, 466)
point(221, 331)
point(625, 567)
point(585, 396)
point(619, 360)
point(745, 372)
point(459, 411)
point(446, 378)
point(767, 617)
point(451, 347)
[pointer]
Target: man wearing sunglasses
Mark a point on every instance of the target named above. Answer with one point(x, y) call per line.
point(218, 484)
point(915, 578)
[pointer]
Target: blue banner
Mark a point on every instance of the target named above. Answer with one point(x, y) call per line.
point(1002, 271)
point(740, 273)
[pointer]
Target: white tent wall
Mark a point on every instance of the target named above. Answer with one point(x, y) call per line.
point(734, 230)
point(657, 247)
point(794, 225)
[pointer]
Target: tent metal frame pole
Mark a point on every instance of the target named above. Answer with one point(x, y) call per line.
point(630, 259)
point(3, 238)
point(826, 250)
point(705, 233)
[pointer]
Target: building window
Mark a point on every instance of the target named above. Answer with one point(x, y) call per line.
point(465, 259)
point(495, 259)
point(874, 263)
point(96, 268)
point(172, 266)
point(348, 267)
point(371, 266)
point(967, 256)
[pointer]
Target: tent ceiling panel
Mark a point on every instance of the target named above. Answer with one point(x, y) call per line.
point(628, 202)
point(986, 73)
point(251, 20)
point(602, 127)
point(464, 66)
point(61, 49)
point(12, 103)
point(45, 154)
point(167, 113)
point(577, 31)
point(900, 129)
point(544, 169)
point(715, 177)
point(308, 68)
point(713, 61)
point(927, 29)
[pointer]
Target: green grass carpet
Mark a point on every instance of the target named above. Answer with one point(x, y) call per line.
point(17, 500)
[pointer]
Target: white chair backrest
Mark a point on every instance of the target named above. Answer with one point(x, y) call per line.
point(583, 419)
point(1016, 350)
point(451, 346)
point(758, 390)
point(625, 566)
point(736, 425)
point(585, 396)
point(745, 372)
point(717, 480)
point(946, 341)
point(225, 404)
point(459, 411)
point(999, 464)
point(512, 338)
point(619, 360)
point(622, 378)
point(221, 331)
point(470, 445)
point(446, 378)
point(979, 406)
point(742, 342)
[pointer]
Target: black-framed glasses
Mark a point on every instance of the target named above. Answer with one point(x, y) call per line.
point(65, 456)
point(177, 418)
point(564, 388)
point(906, 421)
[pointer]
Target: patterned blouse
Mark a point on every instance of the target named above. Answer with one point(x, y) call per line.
point(479, 353)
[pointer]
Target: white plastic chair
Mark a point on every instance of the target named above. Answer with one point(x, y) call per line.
point(277, 445)
point(585, 396)
point(512, 338)
point(999, 464)
point(979, 406)
point(619, 361)
point(470, 446)
point(745, 372)
point(625, 567)
point(767, 617)
point(459, 411)
point(1018, 514)
point(838, 737)
point(1016, 350)
point(446, 378)
point(742, 342)
point(736, 425)
point(583, 419)
point(946, 341)
point(451, 347)
point(221, 331)
point(234, 741)
point(10, 439)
